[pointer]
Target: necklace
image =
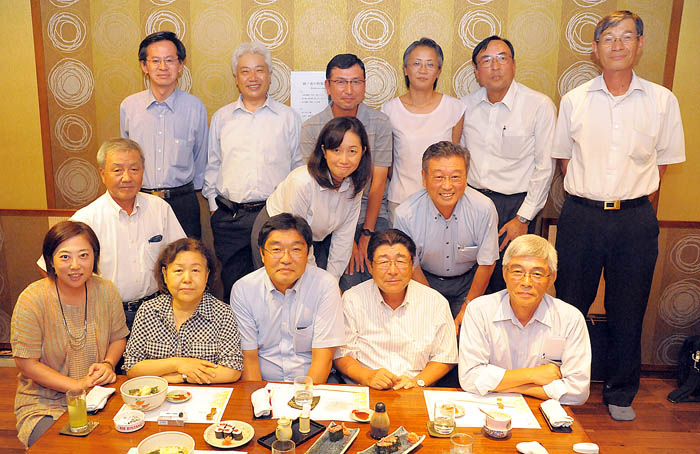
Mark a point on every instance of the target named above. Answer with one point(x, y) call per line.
point(75, 342)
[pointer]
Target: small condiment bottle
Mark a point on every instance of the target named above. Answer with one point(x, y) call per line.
point(379, 423)
point(305, 419)
point(284, 429)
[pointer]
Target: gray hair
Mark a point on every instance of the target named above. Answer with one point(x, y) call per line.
point(532, 246)
point(614, 18)
point(117, 144)
point(253, 47)
point(444, 149)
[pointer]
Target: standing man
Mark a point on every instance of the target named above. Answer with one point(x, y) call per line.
point(171, 127)
point(253, 145)
point(508, 130)
point(345, 85)
point(615, 136)
point(453, 226)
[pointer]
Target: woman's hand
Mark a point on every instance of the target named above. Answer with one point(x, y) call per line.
point(101, 374)
point(197, 370)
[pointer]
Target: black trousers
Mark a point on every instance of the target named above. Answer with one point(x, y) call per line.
point(186, 209)
point(623, 244)
point(507, 206)
point(231, 230)
point(454, 288)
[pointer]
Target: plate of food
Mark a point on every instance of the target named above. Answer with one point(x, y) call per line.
point(229, 434)
point(178, 396)
point(400, 441)
point(335, 440)
point(361, 414)
point(459, 411)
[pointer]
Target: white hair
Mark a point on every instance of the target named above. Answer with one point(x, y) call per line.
point(117, 144)
point(532, 246)
point(253, 47)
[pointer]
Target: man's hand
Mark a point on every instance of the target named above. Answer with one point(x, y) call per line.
point(382, 379)
point(513, 229)
point(197, 370)
point(545, 374)
point(102, 374)
point(459, 317)
point(405, 382)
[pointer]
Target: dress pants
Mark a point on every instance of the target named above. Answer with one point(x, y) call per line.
point(186, 209)
point(232, 230)
point(454, 288)
point(623, 244)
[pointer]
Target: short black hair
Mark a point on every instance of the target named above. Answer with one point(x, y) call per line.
point(344, 61)
point(425, 42)
point(65, 230)
point(285, 221)
point(485, 43)
point(168, 255)
point(330, 138)
point(162, 36)
point(444, 149)
point(390, 237)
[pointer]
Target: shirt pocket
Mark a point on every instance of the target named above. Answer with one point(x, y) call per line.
point(208, 351)
point(466, 254)
point(514, 141)
point(641, 147)
point(303, 338)
point(183, 152)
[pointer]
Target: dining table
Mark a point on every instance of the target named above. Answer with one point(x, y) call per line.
point(405, 408)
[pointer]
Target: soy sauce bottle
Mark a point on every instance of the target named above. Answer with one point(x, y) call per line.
point(379, 423)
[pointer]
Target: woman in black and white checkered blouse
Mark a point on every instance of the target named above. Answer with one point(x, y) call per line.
point(185, 334)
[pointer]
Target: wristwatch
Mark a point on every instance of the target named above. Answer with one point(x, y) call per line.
point(366, 232)
point(523, 220)
point(421, 382)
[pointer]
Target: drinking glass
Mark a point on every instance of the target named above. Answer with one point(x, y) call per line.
point(303, 390)
point(444, 417)
point(461, 444)
point(283, 447)
point(77, 410)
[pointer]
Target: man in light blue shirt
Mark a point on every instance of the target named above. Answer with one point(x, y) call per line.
point(289, 314)
point(171, 128)
point(253, 145)
point(453, 226)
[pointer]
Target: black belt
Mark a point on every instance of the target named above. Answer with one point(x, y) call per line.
point(133, 306)
point(167, 193)
point(610, 204)
point(233, 207)
point(488, 191)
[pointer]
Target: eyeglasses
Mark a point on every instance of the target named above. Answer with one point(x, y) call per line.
point(169, 61)
point(295, 252)
point(502, 59)
point(454, 179)
point(518, 274)
point(342, 83)
point(384, 265)
point(626, 39)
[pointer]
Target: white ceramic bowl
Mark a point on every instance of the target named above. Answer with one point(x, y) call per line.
point(129, 420)
point(144, 403)
point(164, 439)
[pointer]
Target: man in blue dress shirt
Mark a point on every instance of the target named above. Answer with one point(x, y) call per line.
point(171, 128)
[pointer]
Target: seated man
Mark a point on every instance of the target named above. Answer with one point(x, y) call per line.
point(523, 340)
point(289, 313)
point(399, 333)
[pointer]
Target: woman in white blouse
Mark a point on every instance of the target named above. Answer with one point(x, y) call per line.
point(326, 192)
point(419, 118)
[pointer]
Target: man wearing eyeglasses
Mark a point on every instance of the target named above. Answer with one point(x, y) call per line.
point(522, 340)
point(615, 136)
point(345, 85)
point(399, 333)
point(171, 127)
point(289, 314)
point(453, 226)
point(508, 130)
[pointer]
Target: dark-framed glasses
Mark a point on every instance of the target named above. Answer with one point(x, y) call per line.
point(342, 83)
point(385, 264)
point(278, 252)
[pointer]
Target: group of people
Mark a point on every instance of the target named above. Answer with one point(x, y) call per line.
point(317, 281)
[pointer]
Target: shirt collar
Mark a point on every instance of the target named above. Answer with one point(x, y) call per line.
point(117, 209)
point(508, 100)
point(344, 186)
point(598, 84)
point(377, 296)
point(505, 312)
point(238, 104)
point(170, 101)
point(436, 216)
point(163, 305)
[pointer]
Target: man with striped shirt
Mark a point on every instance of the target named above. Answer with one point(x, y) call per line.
point(399, 333)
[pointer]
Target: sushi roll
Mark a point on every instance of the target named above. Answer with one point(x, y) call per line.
point(237, 434)
point(335, 433)
point(394, 443)
point(383, 447)
point(228, 431)
point(219, 431)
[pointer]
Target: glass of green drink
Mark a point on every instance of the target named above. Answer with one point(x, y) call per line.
point(77, 410)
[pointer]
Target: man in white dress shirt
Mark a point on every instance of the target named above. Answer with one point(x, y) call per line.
point(508, 130)
point(253, 145)
point(399, 333)
point(453, 226)
point(615, 136)
point(132, 227)
point(289, 313)
point(523, 340)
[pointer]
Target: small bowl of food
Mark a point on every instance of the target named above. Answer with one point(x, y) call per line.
point(144, 393)
point(497, 425)
point(166, 443)
point(361, 414)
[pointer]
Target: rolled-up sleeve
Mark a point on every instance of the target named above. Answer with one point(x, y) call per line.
point(476, 375)
point(574, 386)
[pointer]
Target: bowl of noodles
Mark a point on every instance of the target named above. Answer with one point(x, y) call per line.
point(144, 393)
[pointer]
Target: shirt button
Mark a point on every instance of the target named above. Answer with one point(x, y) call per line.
point(158, 168)
point(447, 256)
point(159, 150)
point(447, 242)
point(448, 269)
point(160, 132)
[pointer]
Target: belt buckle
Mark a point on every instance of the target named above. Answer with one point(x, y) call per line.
point(158, 193)
point(166, 193)
point(611, 205)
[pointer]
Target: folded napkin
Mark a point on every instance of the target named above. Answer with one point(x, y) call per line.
point(261, 402)
point(97, 398)
point(556, 414)
point(530, 447)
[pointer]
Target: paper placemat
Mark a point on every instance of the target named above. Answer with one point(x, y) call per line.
point(335, 404)
point(197, 408)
